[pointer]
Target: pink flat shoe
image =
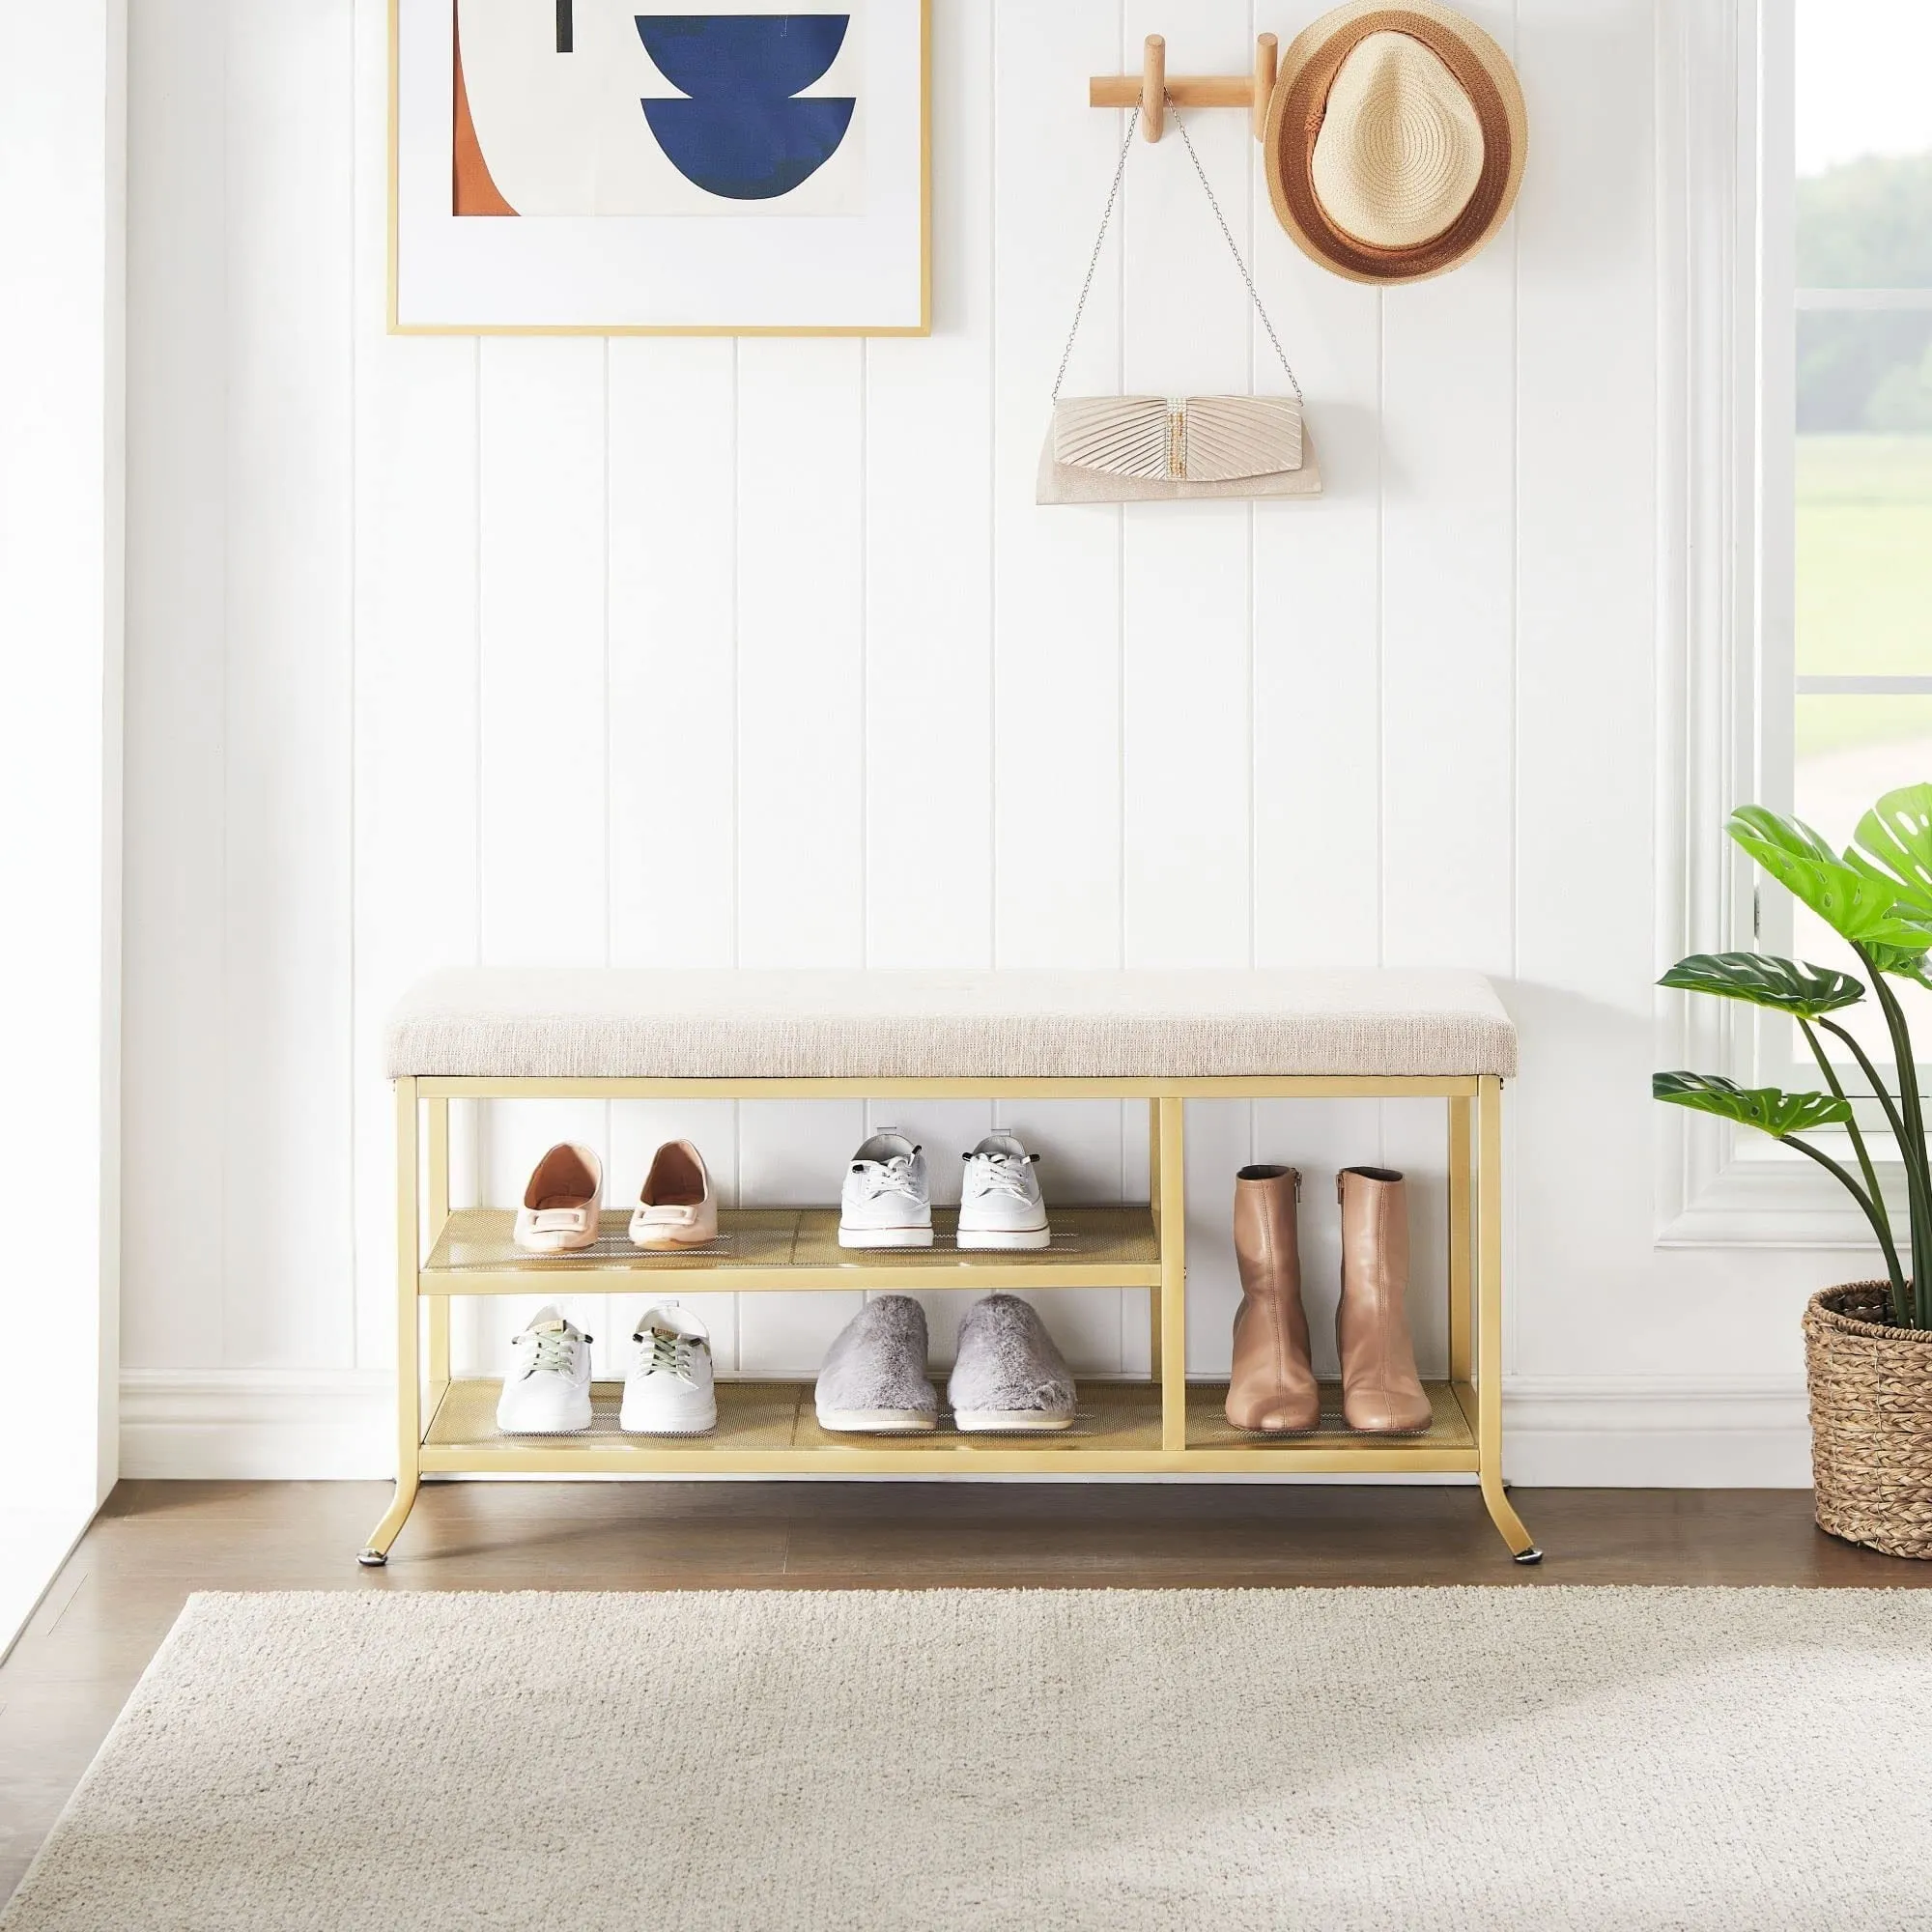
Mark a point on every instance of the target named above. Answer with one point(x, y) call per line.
point(559, 1210)
point(676, 1208)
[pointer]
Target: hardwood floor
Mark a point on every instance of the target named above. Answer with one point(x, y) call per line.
point(71, 1672)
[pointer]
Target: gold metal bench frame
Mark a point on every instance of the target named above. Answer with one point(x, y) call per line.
point(1125, 1434)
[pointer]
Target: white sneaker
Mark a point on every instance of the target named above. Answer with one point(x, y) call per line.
point(1000, 1204)
point(887, 1200)
point(547, 1389)
point(559, 1210)
point(668, 1391)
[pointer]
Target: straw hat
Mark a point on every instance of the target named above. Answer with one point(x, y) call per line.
point(1394, 140)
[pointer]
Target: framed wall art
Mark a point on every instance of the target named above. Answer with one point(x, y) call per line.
point(617, 167)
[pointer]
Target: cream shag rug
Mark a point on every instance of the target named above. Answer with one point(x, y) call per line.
point(1546, 1757)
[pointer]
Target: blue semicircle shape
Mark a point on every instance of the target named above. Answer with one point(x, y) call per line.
point(773, 55)
point(749, 150)
point(739, 134)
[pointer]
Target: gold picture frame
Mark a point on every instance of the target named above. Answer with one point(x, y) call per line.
point(923, 327)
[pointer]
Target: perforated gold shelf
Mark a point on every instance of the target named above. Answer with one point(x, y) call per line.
point(750, 1415)
point(1208, 1426)
point(770, 1426)
point(797, 1248)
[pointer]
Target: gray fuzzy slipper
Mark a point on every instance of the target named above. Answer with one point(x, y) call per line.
point(1008, 1375)
point(874, 1381)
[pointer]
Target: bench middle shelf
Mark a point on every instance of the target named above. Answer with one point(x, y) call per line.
point(796, 1248)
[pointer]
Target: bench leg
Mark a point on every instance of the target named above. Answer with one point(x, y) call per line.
point(1168, 1118)
point(376, 1551)
point(1153, 1204)
point(409, 1369)
point(1489, 1321)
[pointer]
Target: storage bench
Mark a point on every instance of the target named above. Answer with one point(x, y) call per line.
point(498, 1034)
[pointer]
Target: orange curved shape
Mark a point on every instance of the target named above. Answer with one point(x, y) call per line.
point(472, 189)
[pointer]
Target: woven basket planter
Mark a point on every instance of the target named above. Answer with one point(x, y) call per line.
point(1871, 1420)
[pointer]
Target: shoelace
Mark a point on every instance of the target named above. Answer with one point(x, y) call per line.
point(1000, 1174)
point(554, 1350)
point(889, 1176)
point(670, 1353)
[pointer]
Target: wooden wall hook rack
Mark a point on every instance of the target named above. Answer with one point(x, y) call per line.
point(1153, 87)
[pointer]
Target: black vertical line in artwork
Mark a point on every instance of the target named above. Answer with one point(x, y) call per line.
point(566, 30)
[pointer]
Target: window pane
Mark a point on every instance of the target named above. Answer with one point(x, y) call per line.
point(1851, 750)
point(1864, 143)
point(1866, 373)
point(1864, 526)
point(1863, 458)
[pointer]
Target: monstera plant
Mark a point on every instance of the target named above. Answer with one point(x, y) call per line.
point(1877, 896)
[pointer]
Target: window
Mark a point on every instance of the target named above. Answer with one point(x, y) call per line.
point(1847, 515)
point(1794, 172)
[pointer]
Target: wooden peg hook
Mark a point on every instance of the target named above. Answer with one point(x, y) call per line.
point(1263, 88)
point(1154, 88)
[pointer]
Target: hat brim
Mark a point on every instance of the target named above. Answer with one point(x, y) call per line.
point(1300, 99)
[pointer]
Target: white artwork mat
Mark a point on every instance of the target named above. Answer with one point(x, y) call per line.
point(611, 233)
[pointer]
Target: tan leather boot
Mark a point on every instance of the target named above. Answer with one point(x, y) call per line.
point(1272, 1386)
point(1382, 1394)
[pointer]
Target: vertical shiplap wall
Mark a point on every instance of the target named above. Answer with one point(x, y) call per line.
point(759, 652)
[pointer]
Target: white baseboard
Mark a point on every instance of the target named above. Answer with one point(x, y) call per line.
point(287, 1424)
point(1657, 1433)
point(1572, 1432)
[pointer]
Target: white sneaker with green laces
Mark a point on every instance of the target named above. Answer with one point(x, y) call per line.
point(668, 1391)
point(547, 1389)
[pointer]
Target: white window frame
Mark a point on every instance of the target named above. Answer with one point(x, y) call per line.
point(1727, 307)
point(1780, 1060)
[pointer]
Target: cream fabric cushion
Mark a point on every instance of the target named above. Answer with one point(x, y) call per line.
point(595, 1022)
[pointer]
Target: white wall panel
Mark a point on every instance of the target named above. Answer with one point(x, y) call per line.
point(1586, 828)
point(1057, 571)
point(176, 1156)
point(287, 753)
point(801, 653)
point(1186, 582)
point(63, 177)
point(673, 682)
point(761, 652)
point(928, 590)
point(417, 773)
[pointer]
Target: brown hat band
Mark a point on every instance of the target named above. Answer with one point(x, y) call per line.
point(1302, 120)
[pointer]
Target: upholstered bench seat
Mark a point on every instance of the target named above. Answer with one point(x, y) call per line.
point(820, 1024)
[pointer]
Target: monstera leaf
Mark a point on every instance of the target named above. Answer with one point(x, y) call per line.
point(1763, 1107)
point(1897, 833)
point(1861, 905)
point(1788, 835)
point(1901, 962)
point(1789, 985)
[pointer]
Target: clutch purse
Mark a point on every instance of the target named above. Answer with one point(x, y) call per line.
point(1133, 449)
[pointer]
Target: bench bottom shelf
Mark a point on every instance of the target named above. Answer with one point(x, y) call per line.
point(770, 1427)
